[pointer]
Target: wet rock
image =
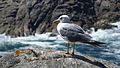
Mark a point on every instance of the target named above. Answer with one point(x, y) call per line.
point(8, 61)
point(53, 59)
point(103, 24)
point(53, 34)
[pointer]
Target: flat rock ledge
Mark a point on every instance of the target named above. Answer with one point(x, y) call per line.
point(43, 58)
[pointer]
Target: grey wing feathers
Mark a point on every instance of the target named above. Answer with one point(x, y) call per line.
point(74, 33)
point(74, 28)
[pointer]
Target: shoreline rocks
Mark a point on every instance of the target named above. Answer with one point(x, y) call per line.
point(27, 17)
point(53, 59)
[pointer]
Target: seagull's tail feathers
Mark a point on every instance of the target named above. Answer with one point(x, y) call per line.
point(95, 43)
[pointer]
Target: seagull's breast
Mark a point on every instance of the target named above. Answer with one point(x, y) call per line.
point(60, 27)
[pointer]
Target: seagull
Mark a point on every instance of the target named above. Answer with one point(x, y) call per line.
point(73, 33)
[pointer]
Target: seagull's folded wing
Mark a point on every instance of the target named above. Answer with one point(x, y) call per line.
point(74, 33)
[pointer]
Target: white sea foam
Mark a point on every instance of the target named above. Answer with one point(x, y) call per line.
point(108, 33)
point(4, 53)
point(37, 41)
point(42, 44)
point(111, 36)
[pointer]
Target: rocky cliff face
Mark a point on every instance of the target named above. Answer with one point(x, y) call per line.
point(52, 59)
point(27, 17)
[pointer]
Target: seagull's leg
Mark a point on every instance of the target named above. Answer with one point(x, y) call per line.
point(73, 48)
point(68, 47)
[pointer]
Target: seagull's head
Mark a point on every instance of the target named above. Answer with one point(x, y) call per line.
point(62, 19)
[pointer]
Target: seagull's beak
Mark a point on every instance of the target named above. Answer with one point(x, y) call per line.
point(56, 21)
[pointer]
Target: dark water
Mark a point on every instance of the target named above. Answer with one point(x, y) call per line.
point(109, 51)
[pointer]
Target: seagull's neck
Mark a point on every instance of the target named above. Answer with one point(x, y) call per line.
point(64, 23)
point(60, 25)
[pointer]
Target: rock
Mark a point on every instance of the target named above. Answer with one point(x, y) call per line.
point(53, 59)
point(53, 34)
point(103, 24)
point(108, 10)
point(27, 17)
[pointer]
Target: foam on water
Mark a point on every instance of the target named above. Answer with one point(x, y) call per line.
point(37, 41)
point(109, 51)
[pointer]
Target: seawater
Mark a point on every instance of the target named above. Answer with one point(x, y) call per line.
point(109, 51)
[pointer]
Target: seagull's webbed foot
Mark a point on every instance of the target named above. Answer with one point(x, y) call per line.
point(70, 53)
point(67, 53)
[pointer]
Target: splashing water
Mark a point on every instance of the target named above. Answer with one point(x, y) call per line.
point(109, 51)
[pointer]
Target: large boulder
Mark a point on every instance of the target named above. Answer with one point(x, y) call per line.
point(27, 17)
point(41, 58)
